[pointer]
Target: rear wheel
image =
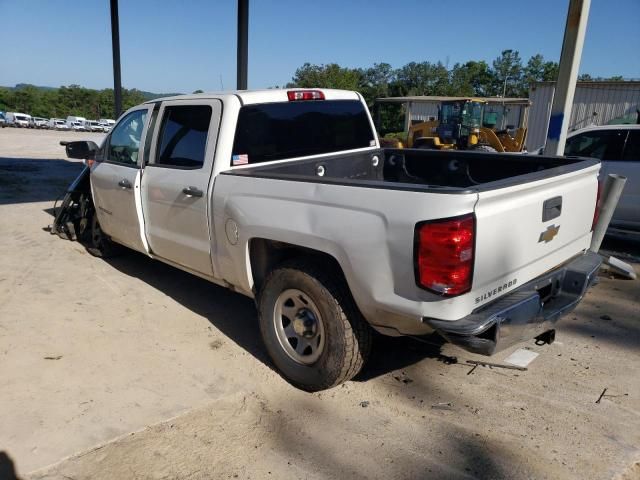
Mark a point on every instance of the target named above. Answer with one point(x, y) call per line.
point(311, 327)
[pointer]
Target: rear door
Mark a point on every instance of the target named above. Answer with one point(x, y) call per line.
point(627, 214)
point(525, 230)
point(115, 178)
point(608, 145)
point(175, 183)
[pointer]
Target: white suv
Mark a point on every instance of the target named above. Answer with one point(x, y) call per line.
point(618, 147)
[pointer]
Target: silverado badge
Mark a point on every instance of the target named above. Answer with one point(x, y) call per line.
point(549, 234)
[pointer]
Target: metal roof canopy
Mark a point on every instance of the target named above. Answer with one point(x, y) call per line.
point(593, 83)
point(438, 99)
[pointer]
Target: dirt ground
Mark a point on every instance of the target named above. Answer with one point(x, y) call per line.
point(129, 368)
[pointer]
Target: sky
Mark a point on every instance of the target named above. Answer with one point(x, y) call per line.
point(181, 46)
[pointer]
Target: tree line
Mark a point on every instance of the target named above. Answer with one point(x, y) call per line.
point(507, 76)
point(67, 100)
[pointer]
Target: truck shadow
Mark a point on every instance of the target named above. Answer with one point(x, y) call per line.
point(236, 317)
point(402, 352)
point(24, 180)
point(7, 467)
point(232, 313)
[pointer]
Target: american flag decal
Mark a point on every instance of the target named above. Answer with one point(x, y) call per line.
point(240, 159)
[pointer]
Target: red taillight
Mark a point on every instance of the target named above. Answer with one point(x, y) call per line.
point(297, 95)
point(444, 255)
point(596, 211)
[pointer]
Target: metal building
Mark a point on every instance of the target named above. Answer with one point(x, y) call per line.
point(594, 103)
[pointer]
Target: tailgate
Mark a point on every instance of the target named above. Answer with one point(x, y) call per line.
point(524, 230)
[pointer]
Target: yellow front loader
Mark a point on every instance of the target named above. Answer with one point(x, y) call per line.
point(464, 124)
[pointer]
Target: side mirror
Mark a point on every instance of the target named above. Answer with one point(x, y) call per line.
point(83, 150)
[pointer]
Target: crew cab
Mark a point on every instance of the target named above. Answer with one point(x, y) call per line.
point(286, 196)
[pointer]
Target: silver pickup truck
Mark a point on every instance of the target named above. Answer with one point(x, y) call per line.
point(286, 196)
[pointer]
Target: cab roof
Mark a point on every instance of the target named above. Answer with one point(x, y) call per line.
point(273, 95)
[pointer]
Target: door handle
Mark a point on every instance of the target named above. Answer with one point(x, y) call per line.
point(124, 183)
point(192, 192)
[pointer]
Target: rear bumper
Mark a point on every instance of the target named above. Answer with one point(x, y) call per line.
point(524, 314)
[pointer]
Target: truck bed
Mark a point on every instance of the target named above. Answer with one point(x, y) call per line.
point(421, 170)
point(390, 191)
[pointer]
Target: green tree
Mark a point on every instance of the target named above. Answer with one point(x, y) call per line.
point(326, 76)
point(423, 78)
point(375, 81)
point(507, 72)
point(537, 70)
point(471, 79)
point(550, 71)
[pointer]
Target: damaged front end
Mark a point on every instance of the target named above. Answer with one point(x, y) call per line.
point(72, 218)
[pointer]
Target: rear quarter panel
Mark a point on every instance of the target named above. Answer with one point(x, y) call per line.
point(369, 231)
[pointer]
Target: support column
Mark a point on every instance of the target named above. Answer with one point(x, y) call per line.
point(407, 116)
point(567, 76)
point(243, 44)
point(115, 49)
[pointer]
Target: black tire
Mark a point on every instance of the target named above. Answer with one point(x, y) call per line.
point(484, 148)
point(347, 336)
point(99, 244)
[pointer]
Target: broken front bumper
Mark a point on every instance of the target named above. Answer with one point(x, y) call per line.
point(524, 314)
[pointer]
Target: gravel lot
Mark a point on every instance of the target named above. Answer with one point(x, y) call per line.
point(129, 368)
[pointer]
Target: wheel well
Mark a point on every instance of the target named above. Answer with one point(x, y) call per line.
point(265, 255)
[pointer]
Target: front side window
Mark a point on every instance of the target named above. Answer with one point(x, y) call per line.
point(183, 136)
point(600, 144)
point(124, 143)
point(274, 131)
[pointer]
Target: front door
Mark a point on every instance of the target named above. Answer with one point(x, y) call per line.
point(115, 179)
point(175, 183)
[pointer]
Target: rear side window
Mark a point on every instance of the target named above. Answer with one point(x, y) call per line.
point(183, 136)
point(632, 148)
point(600, 144)
point(274, 131)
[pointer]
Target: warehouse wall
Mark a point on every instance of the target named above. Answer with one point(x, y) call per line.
point(608, 100)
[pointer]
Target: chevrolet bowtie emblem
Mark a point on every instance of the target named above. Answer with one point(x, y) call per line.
point(549, 234)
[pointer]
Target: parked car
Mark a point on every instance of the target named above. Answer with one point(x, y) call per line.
point(618, 147)
point(107, 123)
point(286, 196)
point(76, 123)
point(93, 126)
point(39, 122)
point(58, 124)
point(3, 121)
point(19, 120)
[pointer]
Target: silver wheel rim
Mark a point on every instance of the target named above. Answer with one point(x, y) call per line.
point(299, 326)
